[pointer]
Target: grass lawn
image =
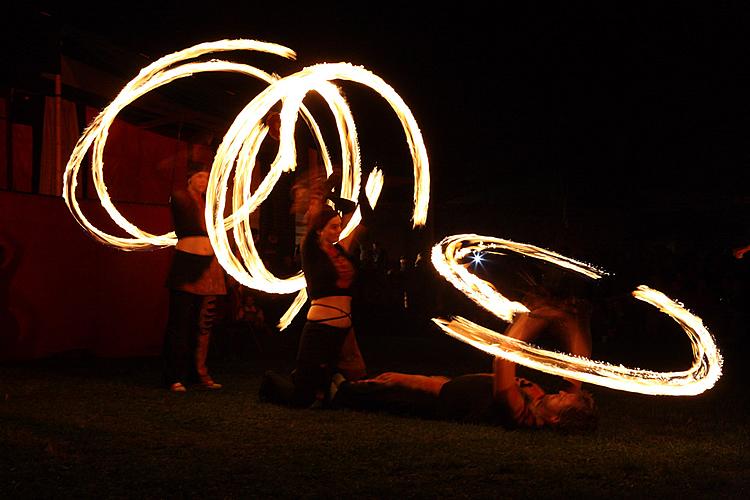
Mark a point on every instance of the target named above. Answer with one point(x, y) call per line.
point(78, 427)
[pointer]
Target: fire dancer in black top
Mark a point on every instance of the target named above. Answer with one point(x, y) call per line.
point(330, 272)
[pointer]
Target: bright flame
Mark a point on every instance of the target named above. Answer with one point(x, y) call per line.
point(153, 76)
point(239, 149)
point(702, 375)
point(447, 254)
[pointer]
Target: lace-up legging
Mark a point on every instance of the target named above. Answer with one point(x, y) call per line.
point(191, 320)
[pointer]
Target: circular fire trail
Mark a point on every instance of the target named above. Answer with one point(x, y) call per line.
point(238, 151)
point(447, 256)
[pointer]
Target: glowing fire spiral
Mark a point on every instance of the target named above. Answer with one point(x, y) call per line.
point(239, 149)
point(446, 257)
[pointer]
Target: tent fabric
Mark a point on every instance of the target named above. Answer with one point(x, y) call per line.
point(53, 159)
point(62, 291)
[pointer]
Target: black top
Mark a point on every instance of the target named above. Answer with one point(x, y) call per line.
point(320, 273)
point(470, 398)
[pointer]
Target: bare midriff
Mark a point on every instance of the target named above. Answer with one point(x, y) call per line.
point(319, 313)
point(197, 245)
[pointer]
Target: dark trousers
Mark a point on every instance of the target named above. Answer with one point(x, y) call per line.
point(317, 358)
point(379, 397)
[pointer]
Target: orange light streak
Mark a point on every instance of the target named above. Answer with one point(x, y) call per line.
point(156, 74)
point(446, 256)
point(238, 152)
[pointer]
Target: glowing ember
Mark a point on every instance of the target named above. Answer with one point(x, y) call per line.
point(702, 375)
point(239, 149)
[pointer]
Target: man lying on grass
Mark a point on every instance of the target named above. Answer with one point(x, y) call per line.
point(495, 398)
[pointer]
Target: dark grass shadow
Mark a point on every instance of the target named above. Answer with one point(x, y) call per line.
point(77, 426)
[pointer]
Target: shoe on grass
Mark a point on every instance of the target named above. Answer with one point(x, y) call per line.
point(177, 387)
point(208, 383)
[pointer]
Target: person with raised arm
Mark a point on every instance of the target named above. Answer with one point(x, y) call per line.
point(327, 337)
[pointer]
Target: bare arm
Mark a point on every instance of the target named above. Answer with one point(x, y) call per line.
point(573, 327)
point(526, 327)
point(577, 332)
point(355, 235)
point(424, 383)
point(367, 218)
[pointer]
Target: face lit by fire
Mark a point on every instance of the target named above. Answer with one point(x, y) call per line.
point(331, 231)
point(198, 182)
point(554, 404)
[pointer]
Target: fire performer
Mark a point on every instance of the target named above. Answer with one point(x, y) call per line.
point(327, 344)
point(494, 398)
point(195, 280)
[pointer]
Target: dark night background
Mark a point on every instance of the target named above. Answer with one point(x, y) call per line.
point(613, 133)
point(559, 110)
